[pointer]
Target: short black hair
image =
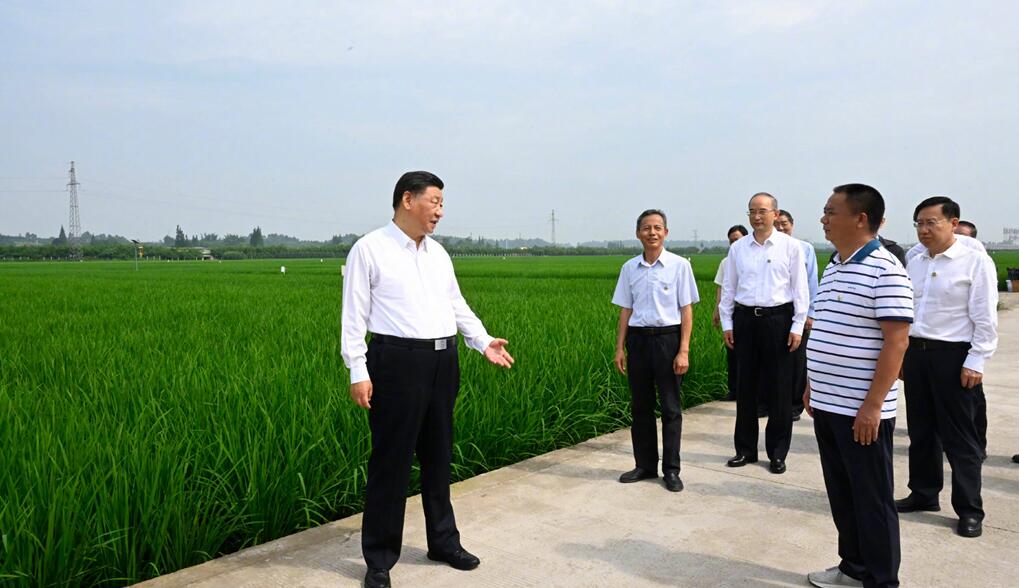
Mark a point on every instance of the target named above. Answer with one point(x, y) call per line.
point(414, 182)
point(774, 201)
point(742, 230)
point(949, 207)
point(786, 214)
point(972, 227)
point(650, 212)
point(865, 199)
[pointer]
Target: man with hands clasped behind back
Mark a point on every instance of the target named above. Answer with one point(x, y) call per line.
point(399, 286)
point(655, 292)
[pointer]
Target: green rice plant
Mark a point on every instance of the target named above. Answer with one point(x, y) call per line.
point(155, 419)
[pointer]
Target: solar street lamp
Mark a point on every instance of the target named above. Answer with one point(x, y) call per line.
point(138, 252)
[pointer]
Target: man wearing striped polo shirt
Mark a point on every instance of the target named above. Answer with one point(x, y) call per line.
point(861, 318)
point(955, 332)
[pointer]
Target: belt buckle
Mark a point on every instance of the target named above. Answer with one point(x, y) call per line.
point(440, 345)
point(757, 311)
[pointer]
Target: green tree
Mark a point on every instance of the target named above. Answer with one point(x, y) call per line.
point(62, 239)
point(181, 240)
point(256, 239)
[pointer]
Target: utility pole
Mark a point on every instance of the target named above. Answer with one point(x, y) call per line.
point(74, 233)
point(552, 220)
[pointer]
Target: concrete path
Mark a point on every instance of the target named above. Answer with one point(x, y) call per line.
point(561, 519)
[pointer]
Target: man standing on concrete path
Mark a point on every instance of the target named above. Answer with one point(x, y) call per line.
point(786, 224)
point(763, 309)
point(399, 286)
point(954, 334)
point(861, 322)
point(736, 232)
point(654, 294)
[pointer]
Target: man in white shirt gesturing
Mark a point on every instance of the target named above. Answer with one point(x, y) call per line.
point(952, 336)
point(399, 286)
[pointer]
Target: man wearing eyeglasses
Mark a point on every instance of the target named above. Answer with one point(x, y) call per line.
point(763, 310)
point(954, 333)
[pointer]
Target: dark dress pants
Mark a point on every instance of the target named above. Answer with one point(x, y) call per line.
point(860, 486)
point(730, 364)
point(414, 391)
point(981, 419)
point(942, 419)
point(765, 370)
point(649, 364)
point(800, 373)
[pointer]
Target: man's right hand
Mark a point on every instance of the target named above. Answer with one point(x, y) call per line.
point(729, 341)
point(361, 392)
point(620, 361)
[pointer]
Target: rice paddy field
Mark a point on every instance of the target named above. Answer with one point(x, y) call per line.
point(154, 419)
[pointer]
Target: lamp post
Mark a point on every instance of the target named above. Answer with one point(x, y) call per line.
point(137, 249)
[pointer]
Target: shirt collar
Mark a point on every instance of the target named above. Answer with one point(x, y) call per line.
point(397, 234)
point(771, 238)
point(662, 259)
point(956, 250)
point(860, 254)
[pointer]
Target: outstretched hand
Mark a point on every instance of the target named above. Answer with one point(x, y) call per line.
point(497, 354)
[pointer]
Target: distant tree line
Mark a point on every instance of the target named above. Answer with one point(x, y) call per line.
point(255, 245)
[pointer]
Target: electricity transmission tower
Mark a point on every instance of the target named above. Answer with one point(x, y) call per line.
point(552, 221)
point(74, 232)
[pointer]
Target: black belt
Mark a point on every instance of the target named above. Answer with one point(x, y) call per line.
point(934, 345)
point(439, 344)
point(653, 330)
point(766, 310)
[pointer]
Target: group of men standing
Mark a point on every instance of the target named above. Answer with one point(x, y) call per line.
point(835, 345)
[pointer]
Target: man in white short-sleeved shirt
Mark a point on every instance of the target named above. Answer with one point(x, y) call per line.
point(654, 294)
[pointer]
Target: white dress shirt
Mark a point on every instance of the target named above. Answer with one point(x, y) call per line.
point(956, 299)
point(393, 287)
point(656, 292)
point(765, 275)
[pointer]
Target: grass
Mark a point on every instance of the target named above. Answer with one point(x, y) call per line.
point(152, 420)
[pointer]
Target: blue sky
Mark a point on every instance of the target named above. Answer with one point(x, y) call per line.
point(299, 116)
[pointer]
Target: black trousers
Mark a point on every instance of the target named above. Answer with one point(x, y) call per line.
point(649, 364)
point(800, 373)
point(730, 363)
point(860, 486)
point(980, 420)
point(765, 370)
point(414, 391)
point(942, 418)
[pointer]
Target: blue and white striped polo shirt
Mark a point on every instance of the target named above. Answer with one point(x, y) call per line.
point(844, 344)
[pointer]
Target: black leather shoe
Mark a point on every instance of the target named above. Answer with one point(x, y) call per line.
point(376, 578)
point(913, 504)
point(969, 527)
point(460, 559)
point(796, 417)
point(672, 482)
point(777, 466)
point(636, 475)
point(1015, 458)
point(740, 460)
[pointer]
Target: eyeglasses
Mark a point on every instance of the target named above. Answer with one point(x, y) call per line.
point(759, 211)
point(928, 224)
